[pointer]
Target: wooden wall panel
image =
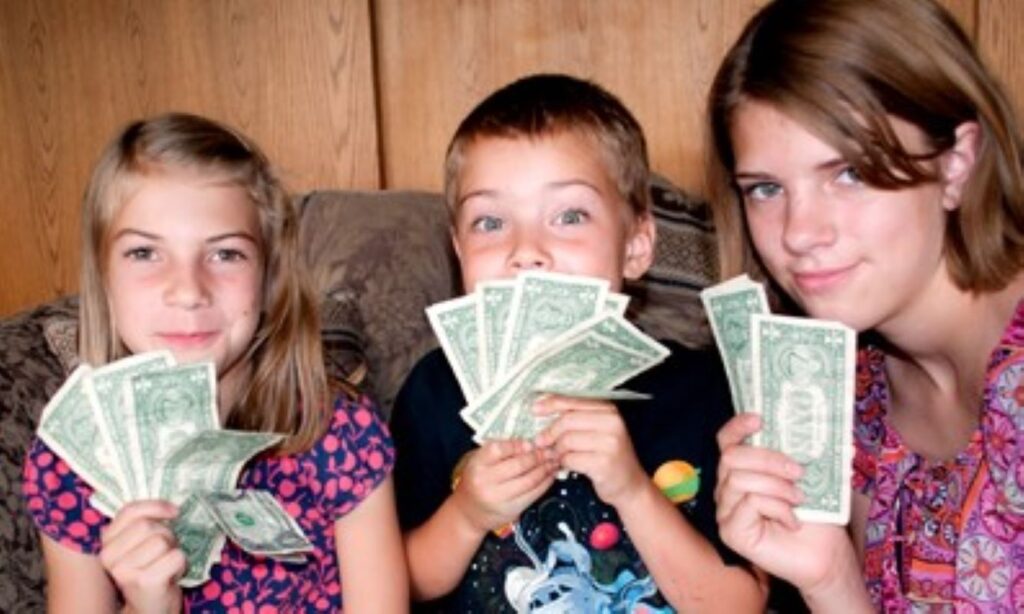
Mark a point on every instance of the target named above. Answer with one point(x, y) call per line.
point(438, 58)
point(296, 76)
point(1000, 36)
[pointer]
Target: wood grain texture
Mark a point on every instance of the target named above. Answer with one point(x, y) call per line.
point(438, 58)
point(302, 79)
point(295, 76)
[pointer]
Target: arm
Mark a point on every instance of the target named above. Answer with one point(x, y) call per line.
point(76, 582)
point(499, 481)
point(369, 547)
point(756, 494)
point(589, 437)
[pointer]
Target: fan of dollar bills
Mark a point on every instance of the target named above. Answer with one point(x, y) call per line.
point(798, 374)
point(146, 428)
point(540, 333)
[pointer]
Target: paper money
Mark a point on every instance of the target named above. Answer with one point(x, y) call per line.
point(143, 427)
point(729, 306)
point(256, 522)
point(529, 339)
point(803, 390)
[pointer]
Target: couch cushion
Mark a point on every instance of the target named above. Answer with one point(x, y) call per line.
point(389, 252)
point(666, 300)
point(29, 374)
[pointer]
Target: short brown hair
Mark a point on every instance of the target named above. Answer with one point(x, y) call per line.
point(547, 104)
point(287, 392)
point(841, 67)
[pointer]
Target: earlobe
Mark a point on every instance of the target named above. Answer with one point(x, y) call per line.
point(957, 164)
point(640, 248)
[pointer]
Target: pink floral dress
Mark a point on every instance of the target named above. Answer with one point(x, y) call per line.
point(316, 487)
point(945, 536)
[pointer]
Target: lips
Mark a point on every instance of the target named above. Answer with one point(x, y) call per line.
point(180, 339)
point(823, 279)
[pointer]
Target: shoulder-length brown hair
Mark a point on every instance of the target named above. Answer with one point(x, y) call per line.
point(842, 68)
point(287, 391)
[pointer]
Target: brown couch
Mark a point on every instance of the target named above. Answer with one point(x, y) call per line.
point(379, 259)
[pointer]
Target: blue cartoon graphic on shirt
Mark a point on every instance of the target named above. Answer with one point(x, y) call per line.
point(563, 582)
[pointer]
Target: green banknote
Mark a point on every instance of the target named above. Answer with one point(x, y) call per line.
point(256, 522)
point(729, 307)
point(493, 303)
point(803, 384)
point(456, 325)
point(199, 538)
point(169, 406)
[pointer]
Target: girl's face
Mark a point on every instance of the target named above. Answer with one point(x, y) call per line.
point(842, 249)
point(185, 270)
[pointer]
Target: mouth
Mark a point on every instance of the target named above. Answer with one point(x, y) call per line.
point(186, 340)
point(822, 280)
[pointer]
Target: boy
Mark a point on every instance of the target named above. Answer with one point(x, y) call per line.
point(551, 173)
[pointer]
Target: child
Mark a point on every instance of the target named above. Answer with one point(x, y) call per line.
point(551, 173)
point(190, 244)
point(876, 168)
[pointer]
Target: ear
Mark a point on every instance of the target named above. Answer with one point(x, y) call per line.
point(455, 244)
point(639, 248)
point(957, 164)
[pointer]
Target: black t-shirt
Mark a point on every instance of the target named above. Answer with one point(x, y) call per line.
point(568, 548)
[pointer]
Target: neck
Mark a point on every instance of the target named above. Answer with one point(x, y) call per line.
point(937, 354)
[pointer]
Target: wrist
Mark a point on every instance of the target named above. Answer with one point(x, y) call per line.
point(638, 495)
point(842, 590)
point(471, 522)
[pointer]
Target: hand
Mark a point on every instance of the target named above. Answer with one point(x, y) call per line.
point(588, 436)
point(500, 480)
point(140, 553)
point(755, 496)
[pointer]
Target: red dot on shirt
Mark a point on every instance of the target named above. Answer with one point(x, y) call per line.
point(228, 599)
point(323, 604)
point(57, 516)
point(91, 516)
point(248, 608)
point(363, 418)
point(78, 529)
point(376, 459)
point(67, 501)
point(330, 443)
point(211, 590)
point(44, 459)
point(51, 481)
point(259, 571)
point(287, 488)
point(268, 609)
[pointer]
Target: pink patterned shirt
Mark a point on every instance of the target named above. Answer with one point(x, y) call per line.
point(945, 536)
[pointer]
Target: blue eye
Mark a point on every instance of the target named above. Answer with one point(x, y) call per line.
point(229, 255)
point(849, 176)
point(764, 190)
point(571, 217)
point(487, 223)
point(140, 253)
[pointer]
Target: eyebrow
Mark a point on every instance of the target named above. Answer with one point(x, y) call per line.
point(829, 164)
point(241, 234)
point(558, 185)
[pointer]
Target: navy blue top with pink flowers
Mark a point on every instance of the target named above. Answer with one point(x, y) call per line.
point(316, 487)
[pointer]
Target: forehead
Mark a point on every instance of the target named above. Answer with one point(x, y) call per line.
point(515, 163)
point(184, 199)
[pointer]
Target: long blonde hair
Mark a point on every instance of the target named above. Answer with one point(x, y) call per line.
point(288, 390)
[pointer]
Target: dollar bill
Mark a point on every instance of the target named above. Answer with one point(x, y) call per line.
point(200, 538)
point(585, 362)
point(545, 305)
point(729, 306)
point(107, 394)
point(68, 426)
point(168, 407)
point(616, 303)
point(494, 298)
point(803, 384)
point(455, 324)
point(255, 521)
point(207, 461)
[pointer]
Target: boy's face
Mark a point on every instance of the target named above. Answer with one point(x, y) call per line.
point(545, 204)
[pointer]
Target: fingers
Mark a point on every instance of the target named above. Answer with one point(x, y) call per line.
point(139, 536)
point(552, 404)
point(737, 429)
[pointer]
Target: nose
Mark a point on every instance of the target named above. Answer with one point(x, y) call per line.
point(809, 223)
point(528, 253)
point(187, 287)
